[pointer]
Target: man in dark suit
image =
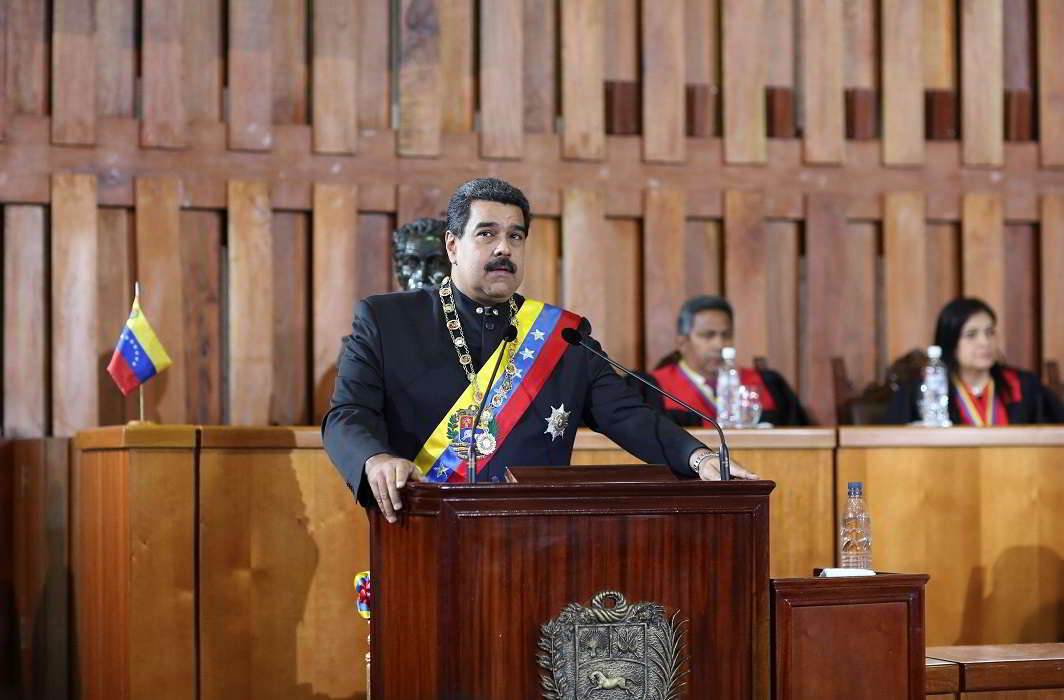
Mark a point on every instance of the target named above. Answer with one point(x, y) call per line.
point(417, 365)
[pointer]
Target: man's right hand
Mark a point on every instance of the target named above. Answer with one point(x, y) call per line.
point(387, 474)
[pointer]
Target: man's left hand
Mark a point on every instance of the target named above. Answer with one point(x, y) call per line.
point(709, 468)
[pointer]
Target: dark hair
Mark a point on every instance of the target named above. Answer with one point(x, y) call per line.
point(488, 189)
point(696, 305)
point(951, 320)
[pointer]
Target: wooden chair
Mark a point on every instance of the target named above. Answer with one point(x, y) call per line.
point(869, 407)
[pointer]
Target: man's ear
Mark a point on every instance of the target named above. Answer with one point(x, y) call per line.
point(450, 242)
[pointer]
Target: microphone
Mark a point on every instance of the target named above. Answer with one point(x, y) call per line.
point(471, 474)
point(574, 337)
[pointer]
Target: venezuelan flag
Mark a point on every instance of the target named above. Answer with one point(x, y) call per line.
point(139, 355)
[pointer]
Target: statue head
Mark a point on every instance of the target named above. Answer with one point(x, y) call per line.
point(418, 253)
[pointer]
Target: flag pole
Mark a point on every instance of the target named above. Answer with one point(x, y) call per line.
point(140, 387)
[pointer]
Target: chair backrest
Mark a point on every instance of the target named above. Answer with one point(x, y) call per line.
point(1053, 378)
point(869, 407)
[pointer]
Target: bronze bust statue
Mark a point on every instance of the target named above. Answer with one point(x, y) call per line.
point(418, 254)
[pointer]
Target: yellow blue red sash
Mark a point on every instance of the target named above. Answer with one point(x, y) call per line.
point(971, 413)
point(539, 347)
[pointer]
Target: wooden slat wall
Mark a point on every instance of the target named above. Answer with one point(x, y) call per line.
point(255, 115)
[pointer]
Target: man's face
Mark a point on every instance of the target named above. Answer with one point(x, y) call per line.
point(711, 331)
point(487, 262)
point(420, 261)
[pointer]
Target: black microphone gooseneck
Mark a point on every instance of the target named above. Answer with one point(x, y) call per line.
point(471, 473)
point(574, 337)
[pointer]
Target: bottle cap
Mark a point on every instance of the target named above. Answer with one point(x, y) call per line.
point(854, 487)
point(727, 353)
point(934, 352)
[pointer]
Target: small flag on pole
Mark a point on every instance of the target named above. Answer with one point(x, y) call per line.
point(139, 355)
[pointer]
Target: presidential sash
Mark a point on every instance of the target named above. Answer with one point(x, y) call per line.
point(991, 411)
point(445, 455)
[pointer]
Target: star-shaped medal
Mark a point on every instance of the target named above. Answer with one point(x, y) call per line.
point(557, 423)
point(527, 354)
point(538, 334)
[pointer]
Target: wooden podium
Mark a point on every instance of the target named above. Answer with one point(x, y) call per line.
point(464, 582)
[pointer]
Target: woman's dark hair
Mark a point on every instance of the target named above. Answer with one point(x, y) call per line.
point(948, 334)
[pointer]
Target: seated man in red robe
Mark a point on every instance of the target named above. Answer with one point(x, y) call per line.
point(703, 328)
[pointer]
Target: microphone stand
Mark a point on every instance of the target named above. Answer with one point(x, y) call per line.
point(471, 472)
point(574, 337)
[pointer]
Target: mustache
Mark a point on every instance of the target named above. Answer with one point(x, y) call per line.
point(500, 264)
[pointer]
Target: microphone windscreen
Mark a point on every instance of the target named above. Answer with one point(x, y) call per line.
point(571, 336)
point(511, 334)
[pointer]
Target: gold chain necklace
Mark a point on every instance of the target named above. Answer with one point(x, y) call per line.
point(454, 328)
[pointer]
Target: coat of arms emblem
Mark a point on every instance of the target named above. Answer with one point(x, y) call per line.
point(460, 427)
point(612, 650)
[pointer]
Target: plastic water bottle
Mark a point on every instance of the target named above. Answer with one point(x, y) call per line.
point(728, 390)
point(855, 535)
point(934, 400)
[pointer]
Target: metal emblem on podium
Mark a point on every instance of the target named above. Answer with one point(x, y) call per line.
point(613, 650)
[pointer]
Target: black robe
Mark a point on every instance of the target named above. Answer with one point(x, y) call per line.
point(1036, 404)
point(398, 375)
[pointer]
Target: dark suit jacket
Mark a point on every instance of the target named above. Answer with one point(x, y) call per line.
point(398, 375)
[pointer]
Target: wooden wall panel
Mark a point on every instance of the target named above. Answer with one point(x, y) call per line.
point(983, 250)
point(28, 69)
point(335, 252)
point(822, 99)
point(115, 275)
point(1051, 256)
point(202, 59)
point(75, 392)
point(160, 273)
point(289, 65)
point(291, 329)
point(457, 42)
point(543, 262)
point(744, 82)
point(335, 76)
point(250, 75)
point(374, 64)
point(25, 335)
point(861, 70)
point(9, 661)
point(250, 317)
point(201, 260)
point(908, 325)
point(783, 240)
point(903, 84)
point(74, 77)
point(584, 236)
point(375, 273)
point(116, 57)
point(1021, 307)
point(780, 54)
point(541, 65)
point(840, 289)
point(702, 49)
point(420, 77)
point(943, 267)
point(202, 294)
point(704, 263)
point(620, 329)
point(163, 122)
point(940, 68)
point(1050, 27)
point(664, 113)
point(502, 84)
point(745, 273)
point(583, 58)
point(41, 557)
point(664, 279)
point(1019, 58)
point(982, 128)
point(419, 201)
point(623, 95)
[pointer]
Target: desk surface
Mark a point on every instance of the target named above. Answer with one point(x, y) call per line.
point(964, 436)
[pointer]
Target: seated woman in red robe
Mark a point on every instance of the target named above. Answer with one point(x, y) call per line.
point(983, 391)
point(703, 328)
